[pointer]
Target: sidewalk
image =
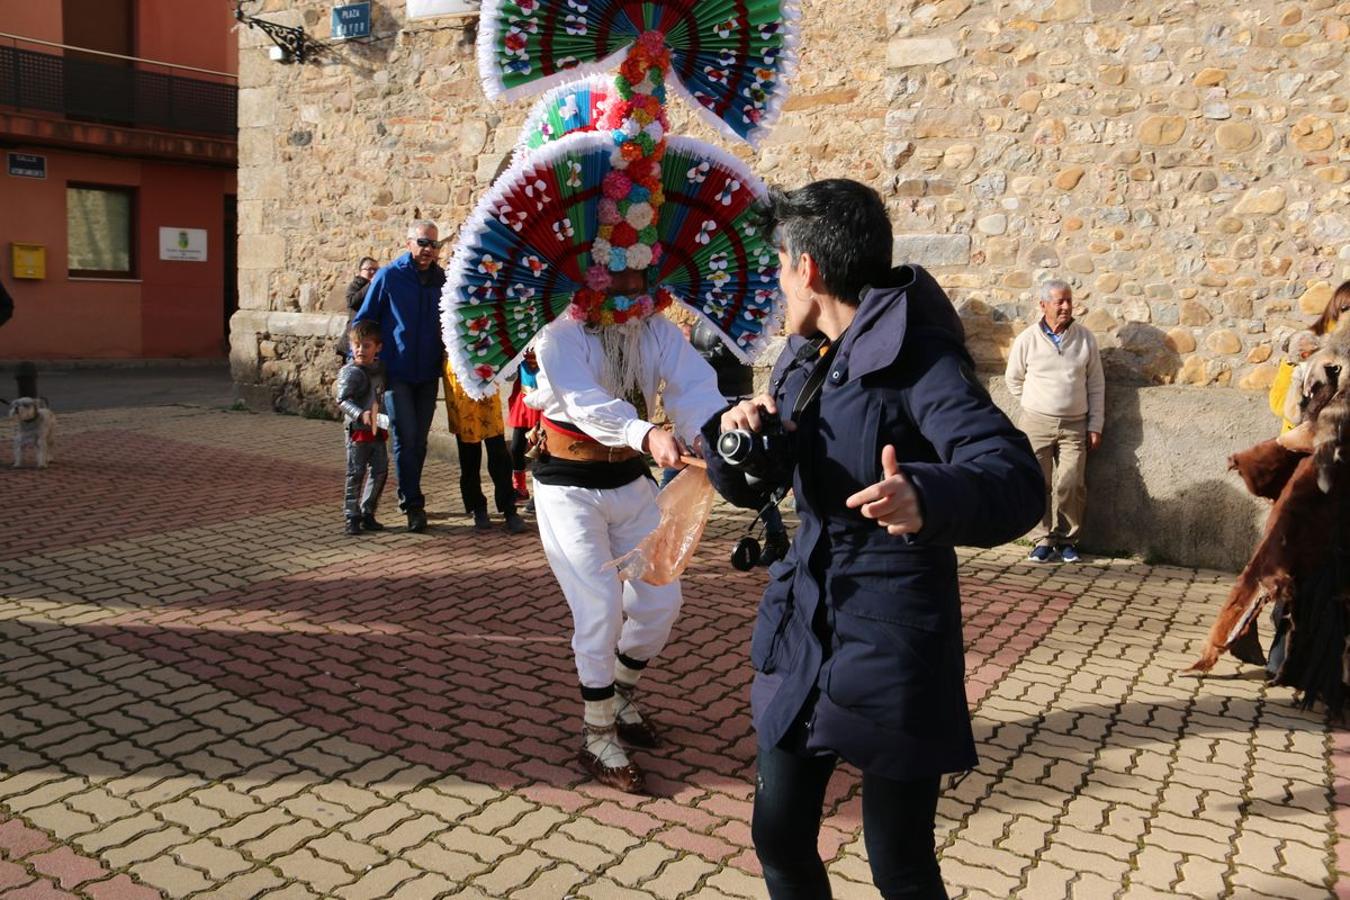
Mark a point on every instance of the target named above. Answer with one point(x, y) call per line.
point(208, 690)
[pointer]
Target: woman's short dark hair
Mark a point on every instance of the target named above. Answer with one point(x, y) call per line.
point(840, 224)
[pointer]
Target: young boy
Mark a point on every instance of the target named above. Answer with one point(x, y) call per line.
point(360, 385)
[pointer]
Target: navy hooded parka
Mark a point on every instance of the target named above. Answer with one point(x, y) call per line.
point(857, 646)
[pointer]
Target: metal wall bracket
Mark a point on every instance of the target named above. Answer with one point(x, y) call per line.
point(294, 44)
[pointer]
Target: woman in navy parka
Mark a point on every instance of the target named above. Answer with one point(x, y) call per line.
point(900, 457)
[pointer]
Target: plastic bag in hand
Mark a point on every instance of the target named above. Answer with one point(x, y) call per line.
point(663, 555)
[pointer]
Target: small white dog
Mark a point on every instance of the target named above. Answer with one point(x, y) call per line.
point(37, 429)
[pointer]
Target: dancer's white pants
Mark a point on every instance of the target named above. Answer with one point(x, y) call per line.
point(582, 529)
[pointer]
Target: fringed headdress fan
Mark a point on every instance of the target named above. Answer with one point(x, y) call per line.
point(597, 189)
point(731, 58)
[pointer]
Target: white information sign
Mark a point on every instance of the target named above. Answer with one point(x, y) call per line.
point(421, 9)
point(182, 244)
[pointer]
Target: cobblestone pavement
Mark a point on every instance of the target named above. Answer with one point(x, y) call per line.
point(207, 690)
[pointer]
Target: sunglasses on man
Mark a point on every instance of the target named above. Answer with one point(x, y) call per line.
point(428, 242)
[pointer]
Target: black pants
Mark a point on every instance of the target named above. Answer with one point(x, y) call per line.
point(519, 447)
point(471, 477)
point(897, 829)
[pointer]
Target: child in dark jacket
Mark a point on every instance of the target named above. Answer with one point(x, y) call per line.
point(360, 384)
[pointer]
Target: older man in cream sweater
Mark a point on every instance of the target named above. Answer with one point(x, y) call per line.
point(1055, 372)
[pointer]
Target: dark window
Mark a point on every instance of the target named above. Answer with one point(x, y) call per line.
point(100, 231)
point(107, 25)
point(99, 88)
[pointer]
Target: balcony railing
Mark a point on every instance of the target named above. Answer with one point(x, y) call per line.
point(115, 94)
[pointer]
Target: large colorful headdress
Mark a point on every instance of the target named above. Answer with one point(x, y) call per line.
point(598, 194)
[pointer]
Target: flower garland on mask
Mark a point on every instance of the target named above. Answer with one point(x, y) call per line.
point(632, 194)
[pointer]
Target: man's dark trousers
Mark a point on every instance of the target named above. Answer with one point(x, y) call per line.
point(411, 406)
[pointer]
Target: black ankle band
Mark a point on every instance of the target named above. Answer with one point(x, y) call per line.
point(597, 693)
point(636, 665)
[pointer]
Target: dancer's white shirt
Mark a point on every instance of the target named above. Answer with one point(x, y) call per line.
point(570, 369)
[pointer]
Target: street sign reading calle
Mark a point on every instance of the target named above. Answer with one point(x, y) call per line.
point(351, 21)
point(27, 165)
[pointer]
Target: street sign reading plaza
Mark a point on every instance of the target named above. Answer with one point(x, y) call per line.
point(351, 21)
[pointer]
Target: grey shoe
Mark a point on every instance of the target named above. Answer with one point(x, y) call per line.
point(515, 524)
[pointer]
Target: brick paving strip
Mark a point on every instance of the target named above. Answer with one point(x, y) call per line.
point(207, 690)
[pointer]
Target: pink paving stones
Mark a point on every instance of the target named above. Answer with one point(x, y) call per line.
point(67, 867)
point(114, 485)
point(706, 846)
point(40, 890)
point(424, 686)
point(18, 839)
point(12, 875)
point(1000, 626)
point(1340, 764)
point(449, 656)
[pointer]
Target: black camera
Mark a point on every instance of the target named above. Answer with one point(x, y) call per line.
point(766, 457)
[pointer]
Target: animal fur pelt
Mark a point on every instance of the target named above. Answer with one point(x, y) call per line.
point(1326, 395)
point(1304, 533)
point(1296, 542)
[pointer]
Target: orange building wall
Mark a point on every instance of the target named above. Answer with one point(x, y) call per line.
point(182, 302)
point(189, 34)
point(35, 20)
point(173, 309)
point(56, 318)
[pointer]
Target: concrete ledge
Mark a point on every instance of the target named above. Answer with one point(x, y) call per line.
point(1160, 487)
point(252, 322)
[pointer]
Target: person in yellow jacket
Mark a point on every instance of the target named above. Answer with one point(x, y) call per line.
point(1283, 400)
point(1287, 388)
point(476, 423)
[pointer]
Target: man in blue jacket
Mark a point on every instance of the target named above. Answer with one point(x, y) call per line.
point(404, 298)
point(900, 455)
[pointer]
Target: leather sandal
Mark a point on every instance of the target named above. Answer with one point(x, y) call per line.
point(636, 734)
point(639, 734)
point(627, 778)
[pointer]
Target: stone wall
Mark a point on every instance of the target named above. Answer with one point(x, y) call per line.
point(1185, 165)
point(337, 156)
point(1182, 164)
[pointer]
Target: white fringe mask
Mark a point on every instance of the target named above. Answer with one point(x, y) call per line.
point(621, 345)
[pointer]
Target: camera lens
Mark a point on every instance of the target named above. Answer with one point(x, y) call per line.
point(745, 555)
point(735, 446)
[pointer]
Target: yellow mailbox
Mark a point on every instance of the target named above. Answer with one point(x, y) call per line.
point(28, 260)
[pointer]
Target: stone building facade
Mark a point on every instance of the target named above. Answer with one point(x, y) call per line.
point(1185, 164)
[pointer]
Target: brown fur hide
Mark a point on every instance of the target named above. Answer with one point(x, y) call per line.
point(1302, 529)
point(1297, 538)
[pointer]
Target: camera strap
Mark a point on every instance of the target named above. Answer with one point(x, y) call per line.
point(810, 391)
